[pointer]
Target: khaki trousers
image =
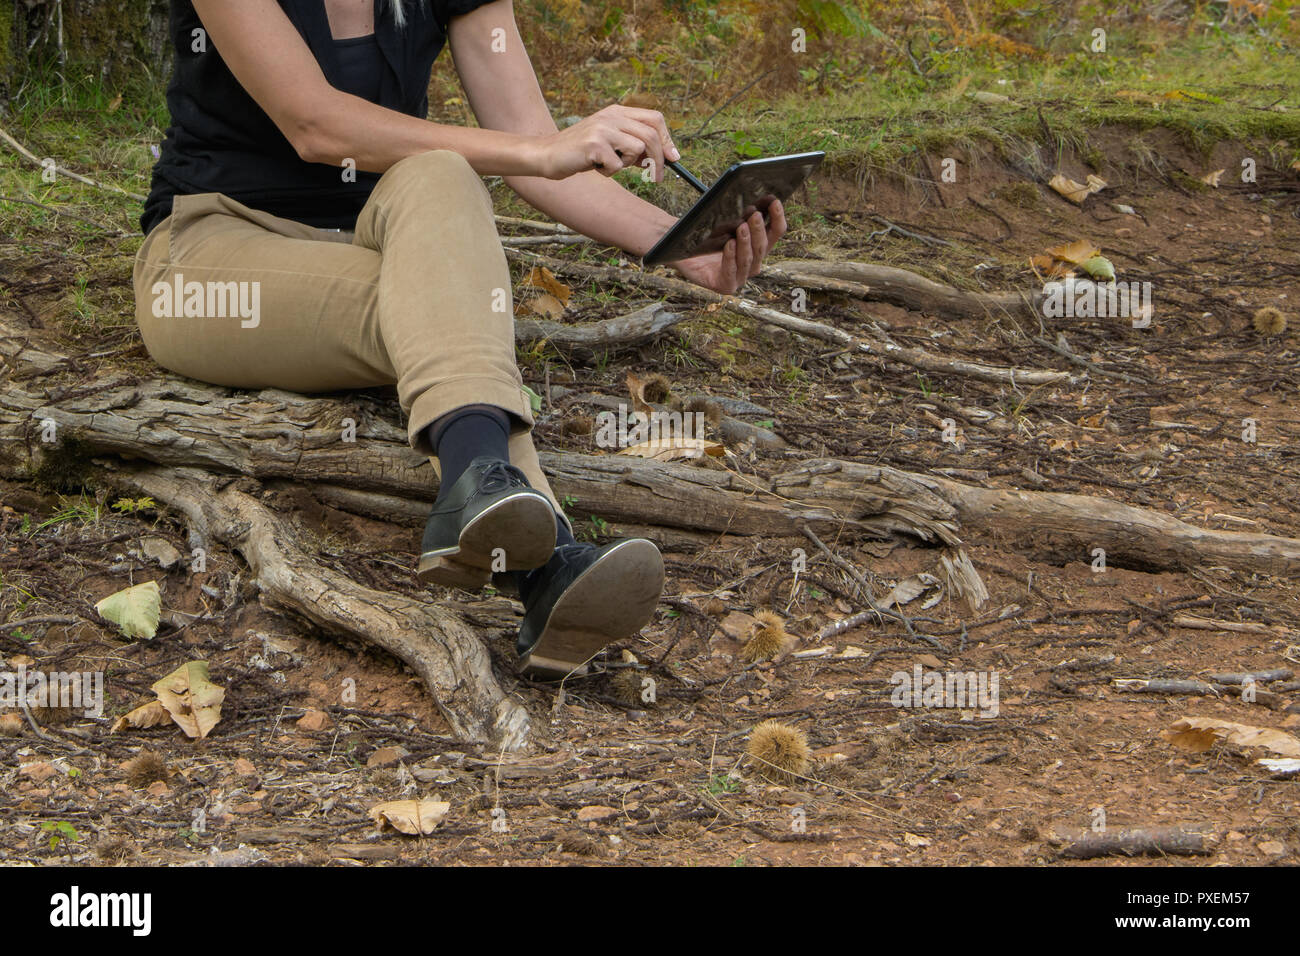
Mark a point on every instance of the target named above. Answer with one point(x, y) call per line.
point(419, 297)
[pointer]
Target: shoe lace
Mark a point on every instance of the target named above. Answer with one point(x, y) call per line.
point(500, 476)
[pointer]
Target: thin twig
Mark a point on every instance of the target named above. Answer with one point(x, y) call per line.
point(32, 158)
point(866, 590)
point(63, 212)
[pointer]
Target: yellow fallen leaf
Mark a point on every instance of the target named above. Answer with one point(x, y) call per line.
point(193, 701)
point(146, 715)
point(1192, 733)
point(1077, 252)
point(1077, 192)
point(669, 449)
point(135, 609)
point(412, 817)
point(1212, 179)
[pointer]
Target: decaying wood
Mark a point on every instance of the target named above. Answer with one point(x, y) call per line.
point(1196, 688)
point(873, 345)
point(1141, 841)
point(1060, 525)
point(432, 639)
point(592, 338)
point(279, 435)
point(901, 287)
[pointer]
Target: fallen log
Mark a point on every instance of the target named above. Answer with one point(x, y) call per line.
point(1070, 527)
point(280, 435)
point(352, 452)
point(901, 287)
point(592, 338)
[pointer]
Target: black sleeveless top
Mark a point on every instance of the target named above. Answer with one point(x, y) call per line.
point(221, 141)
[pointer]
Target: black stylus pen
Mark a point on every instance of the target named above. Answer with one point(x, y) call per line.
point(682, 171)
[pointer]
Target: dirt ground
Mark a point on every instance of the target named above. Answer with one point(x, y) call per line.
point(291, 771)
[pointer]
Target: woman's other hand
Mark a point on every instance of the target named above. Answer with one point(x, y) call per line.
point(618, 137)
point(728, 271)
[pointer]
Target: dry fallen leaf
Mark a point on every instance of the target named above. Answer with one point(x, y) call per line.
point(1200, 733)
point(545, 305)
point(1049, 267)
point(1212, 179)
point(670, 449)
point(135, 609)
point(412, 817)
point(543, 280)
point(147, 715)
point(1077, 192)
point(193, 701)
point(1077, 252)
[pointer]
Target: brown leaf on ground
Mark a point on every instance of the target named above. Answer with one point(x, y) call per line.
point(412, 817)
point(1074, 191)
point(543, 280)
point(146, 715)
point(193, 701)
point(670, 449)
point(1200, 733)
point(1077, 252)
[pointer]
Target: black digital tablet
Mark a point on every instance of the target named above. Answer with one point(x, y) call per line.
point(741, 191)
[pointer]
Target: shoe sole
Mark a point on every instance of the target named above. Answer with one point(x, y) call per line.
point(610, 601)
point(522, 526)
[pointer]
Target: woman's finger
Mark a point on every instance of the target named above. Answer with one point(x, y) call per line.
point(648, 136)
point(656, 119)
point(727, 272)
point(776, 225)
point(605, 160)
point(744, 251)
point(758, 242)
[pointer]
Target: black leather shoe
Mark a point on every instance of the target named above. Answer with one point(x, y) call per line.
point(584, 598)
point(491, 506)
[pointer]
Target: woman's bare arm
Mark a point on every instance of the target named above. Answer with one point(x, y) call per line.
point(502, 87)
point(269, 58)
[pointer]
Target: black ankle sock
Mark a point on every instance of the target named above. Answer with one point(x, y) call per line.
point(461, 436)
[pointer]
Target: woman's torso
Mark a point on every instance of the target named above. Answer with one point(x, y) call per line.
point(220, 140)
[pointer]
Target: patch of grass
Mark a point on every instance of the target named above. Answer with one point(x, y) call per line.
point(83, 509)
